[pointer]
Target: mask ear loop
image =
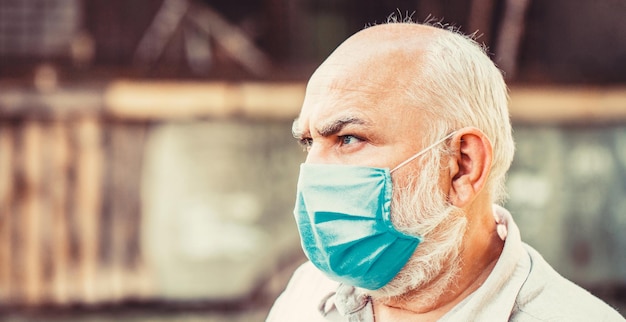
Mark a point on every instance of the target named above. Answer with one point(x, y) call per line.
point(417, 155)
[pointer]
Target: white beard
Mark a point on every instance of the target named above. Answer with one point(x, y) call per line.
point(420, 208)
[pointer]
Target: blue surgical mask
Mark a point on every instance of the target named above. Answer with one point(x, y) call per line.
point(344, 219)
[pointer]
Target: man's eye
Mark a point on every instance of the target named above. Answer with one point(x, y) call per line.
point(306, 143)
point(349, 139)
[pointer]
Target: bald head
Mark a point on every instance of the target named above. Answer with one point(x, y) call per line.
point(390, 37)
point(382, 53)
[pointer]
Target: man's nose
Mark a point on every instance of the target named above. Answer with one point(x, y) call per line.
point(319, 155)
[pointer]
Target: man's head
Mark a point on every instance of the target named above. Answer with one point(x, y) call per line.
point(388, 92)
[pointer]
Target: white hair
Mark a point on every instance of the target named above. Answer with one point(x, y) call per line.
point(459, 86)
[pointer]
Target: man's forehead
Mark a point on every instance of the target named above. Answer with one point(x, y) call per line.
point(364, 75)
point(372, 79)
point(348, 91)
point(333, 101)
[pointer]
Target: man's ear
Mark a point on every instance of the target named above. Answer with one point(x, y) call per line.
point(470, 165)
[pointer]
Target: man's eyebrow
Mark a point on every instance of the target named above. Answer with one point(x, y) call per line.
point(296, 131)
point(335, 126)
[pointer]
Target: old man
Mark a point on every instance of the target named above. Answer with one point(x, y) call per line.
point(408, 137)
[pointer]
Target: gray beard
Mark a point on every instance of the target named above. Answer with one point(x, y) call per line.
point(435, 263)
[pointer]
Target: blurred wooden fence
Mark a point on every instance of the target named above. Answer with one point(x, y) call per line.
point(71, 162)
point(69, 211)
point(70, 167)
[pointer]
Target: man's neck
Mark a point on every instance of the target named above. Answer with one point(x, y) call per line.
point(482, 248)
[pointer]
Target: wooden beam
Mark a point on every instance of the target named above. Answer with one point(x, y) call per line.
point(161, 31)
point(581, 105)
point(18, 102)
point(7, 195)
point(511, 34)
point(480, 19)
point(185, 100)
point(59, 159)
point(234, 40)
point(177, 100)
point(31, 207)
point(124, 173)
point(87, 203)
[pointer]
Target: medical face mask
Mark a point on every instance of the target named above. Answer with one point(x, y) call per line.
point(344, 219)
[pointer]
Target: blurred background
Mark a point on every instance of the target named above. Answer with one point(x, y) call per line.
point(147, 169)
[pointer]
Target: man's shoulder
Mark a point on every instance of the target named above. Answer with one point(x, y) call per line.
point(309, 279)
point(302, 296)
point(548, 296)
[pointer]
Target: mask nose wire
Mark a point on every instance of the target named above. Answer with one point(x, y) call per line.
point(418, 154)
